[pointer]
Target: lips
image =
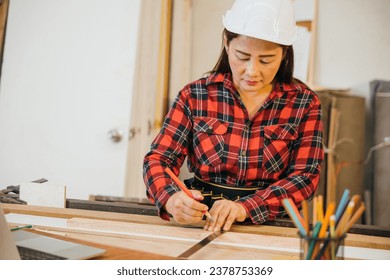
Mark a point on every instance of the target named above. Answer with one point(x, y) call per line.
point(251, 83)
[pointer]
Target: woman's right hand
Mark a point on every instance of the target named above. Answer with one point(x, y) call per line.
point(184, 209)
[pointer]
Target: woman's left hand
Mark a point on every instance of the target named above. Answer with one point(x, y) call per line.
point(225, 213)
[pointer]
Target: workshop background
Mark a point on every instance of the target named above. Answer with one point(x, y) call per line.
point(85, 85)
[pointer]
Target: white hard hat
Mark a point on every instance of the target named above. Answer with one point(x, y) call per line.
point(270, 20)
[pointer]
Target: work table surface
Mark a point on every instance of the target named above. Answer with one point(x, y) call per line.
point(137, 236)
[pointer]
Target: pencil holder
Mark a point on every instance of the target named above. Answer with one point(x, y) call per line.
point(314, 248)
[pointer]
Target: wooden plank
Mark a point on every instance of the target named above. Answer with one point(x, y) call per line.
point(199, 234)
point(163, 63)
point(3, 20)
point(143, 107)
point(285, 226)
point(148, 244)
point(120, 207)
point(330, 194)
point(144, 230)
point(169, 239)
point(112, 253)
point(231, 245)
point(72, 213)
point(173, 241)
point(120, 199)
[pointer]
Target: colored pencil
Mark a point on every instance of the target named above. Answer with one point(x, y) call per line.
point(305, 211)
point(340, 229)
point(320, 208)
point(323, 231)
point(21, 227)
point(355, 217)
point(315, 210)
point(356, 199)
point(294, 215)
point(332, 224)
point(342, 205)
point(329, 211)
point(329, 229)
point(314, 235)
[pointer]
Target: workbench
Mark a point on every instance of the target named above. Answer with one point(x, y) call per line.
point(146, 236)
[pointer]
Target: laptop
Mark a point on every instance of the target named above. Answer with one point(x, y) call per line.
point(22, 244)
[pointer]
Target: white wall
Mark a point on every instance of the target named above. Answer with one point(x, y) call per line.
point(353, 44)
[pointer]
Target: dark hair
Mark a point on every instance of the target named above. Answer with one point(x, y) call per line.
point(284, 74)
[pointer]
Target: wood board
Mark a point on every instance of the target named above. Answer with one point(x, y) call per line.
point(153, 235)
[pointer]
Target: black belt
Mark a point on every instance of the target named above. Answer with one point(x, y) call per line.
point(213, 192)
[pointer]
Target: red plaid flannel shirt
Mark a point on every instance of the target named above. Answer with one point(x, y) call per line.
point(280, 149)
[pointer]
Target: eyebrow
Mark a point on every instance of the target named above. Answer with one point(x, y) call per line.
point(262, 56)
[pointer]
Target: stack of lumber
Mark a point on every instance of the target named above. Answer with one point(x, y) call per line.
point(344, 139)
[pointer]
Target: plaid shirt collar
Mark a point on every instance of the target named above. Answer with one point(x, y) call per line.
point(226, 78)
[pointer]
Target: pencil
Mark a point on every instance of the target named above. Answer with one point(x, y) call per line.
point(355, 217)
point(21, 227)
point(305, 211)
point(340, 229)
point(315, 215)
point(317, 253)
point(296, 211)
point(329, 211)
point(356, 198)
point(332, 223)
point(320, 208)
point(181, 185)
point(342, 205)
point(294, 215)
point(314, 235)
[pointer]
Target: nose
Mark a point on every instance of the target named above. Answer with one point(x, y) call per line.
point(253, 67)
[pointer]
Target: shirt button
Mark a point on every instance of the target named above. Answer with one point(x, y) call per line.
point(243, 153)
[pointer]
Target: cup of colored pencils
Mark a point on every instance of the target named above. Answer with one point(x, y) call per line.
point(316, 248)
point(324, 238)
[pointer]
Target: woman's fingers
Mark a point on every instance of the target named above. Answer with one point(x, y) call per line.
point(225, 213)
point(184, 209)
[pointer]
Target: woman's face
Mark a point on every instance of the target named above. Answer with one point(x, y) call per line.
point(254, 63)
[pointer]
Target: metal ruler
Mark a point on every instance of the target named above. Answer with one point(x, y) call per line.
point(200, 244)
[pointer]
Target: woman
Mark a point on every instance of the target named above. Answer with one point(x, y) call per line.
point(252, 134)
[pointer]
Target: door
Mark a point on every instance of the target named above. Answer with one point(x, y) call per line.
point(66, 83)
